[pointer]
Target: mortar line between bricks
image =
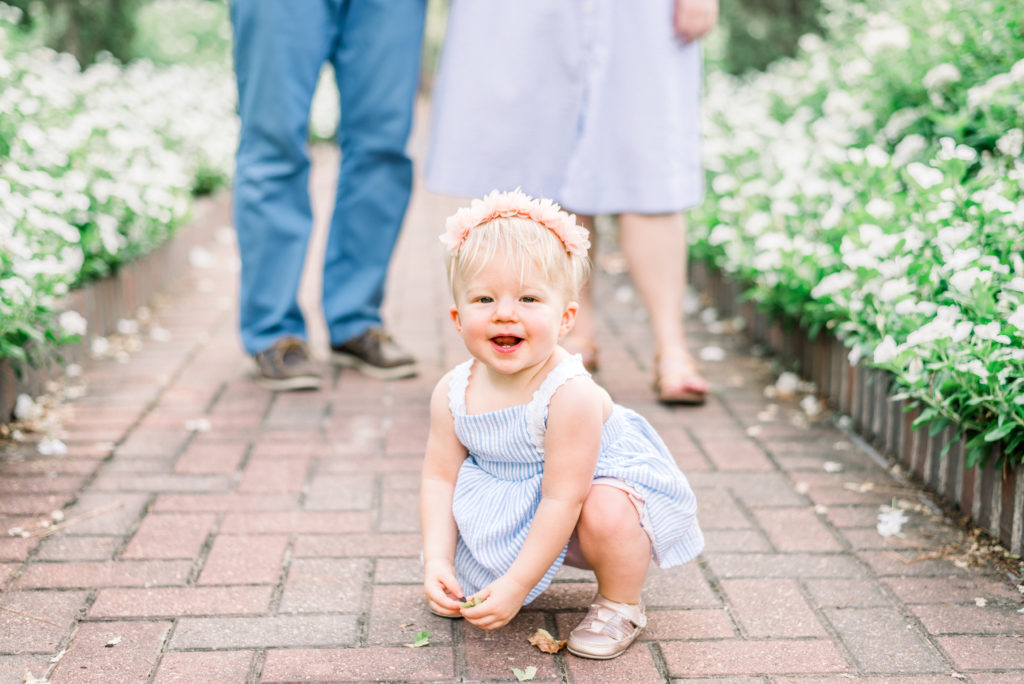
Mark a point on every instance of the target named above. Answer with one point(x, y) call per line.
point(204, 550)
point(901, 606)
point(255, 673)
point(660, 664)
point(833, 634)
point(163, 649)
point(748, 513)
point(277, 593)
point(221, 388)
point(365, 615)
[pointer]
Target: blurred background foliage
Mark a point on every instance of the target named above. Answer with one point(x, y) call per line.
point(751, 34)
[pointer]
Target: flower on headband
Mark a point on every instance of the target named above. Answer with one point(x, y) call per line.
point(515, 203)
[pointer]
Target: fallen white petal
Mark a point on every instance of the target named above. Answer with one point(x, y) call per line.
point(52, 447)
point(712, 354)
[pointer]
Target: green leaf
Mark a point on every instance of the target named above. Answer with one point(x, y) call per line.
point(999, 432)
point(926, 417)
point(974, 456)
point(524, 675)
point(421, 639)
point(937, 426)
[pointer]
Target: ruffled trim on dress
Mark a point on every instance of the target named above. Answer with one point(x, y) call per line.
point(458, 383)
point(537, 409)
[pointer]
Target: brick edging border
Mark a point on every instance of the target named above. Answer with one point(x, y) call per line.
point(104, 302)
point(993, 498)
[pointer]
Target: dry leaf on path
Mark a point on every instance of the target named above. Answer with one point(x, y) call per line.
point(525, 674)
point(543, 640)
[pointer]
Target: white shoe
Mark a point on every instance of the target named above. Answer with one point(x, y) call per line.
point(608, 629)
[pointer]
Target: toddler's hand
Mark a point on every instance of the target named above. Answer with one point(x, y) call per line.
point(695, 18)
point(501, 601)
point(441, 588)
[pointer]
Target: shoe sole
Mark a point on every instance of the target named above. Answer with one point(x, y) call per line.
point(581, 654)
point(344, 360)
point(306, 382)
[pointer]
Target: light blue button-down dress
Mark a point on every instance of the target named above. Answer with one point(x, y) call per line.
point(591, 103)
point(498, 488)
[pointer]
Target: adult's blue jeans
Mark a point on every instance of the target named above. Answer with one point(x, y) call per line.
point(279, 49)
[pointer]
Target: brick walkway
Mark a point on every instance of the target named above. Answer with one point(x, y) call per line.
point(215, 532)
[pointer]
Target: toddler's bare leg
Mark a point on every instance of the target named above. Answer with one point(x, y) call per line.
point(614, 544)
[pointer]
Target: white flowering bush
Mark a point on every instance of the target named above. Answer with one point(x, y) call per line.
point(872, 186)
point(96, 168)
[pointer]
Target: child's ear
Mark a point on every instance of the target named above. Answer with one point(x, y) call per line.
point(568, 319)
point(454, 313)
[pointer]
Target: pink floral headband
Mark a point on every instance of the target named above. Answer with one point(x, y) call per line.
point(516, 203)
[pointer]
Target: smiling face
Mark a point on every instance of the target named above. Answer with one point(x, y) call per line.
point(511, 318)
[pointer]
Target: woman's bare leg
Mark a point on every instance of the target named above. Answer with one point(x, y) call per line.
point(654, 246)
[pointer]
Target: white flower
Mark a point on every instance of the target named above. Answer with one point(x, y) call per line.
point(989, 331)
point(885, 351)
point(940, 75)
point(876, 156)
point(723, 183)
point(757, 222)
point(964, 281)
point(895, 35)
point(975, 367)
point(905, 307)
point(915, 369)
point(1011, 143)
point(1016, 319)
point(954, 236)
point(894, 289)
point(721, 234)
point(961, 331)
point(833, 283)
point(73, 323)
point(925, 176)
point(908, 148)
point(880, 209)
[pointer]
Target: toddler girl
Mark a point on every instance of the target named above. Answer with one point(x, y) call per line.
point(529, 464)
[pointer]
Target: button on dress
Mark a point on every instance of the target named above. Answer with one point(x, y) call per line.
point(591, 103)
point(499, 484)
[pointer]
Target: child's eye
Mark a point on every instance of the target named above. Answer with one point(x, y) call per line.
point(529, 298)
point(484, 300)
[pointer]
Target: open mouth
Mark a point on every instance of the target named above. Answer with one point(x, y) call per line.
point(506, 342)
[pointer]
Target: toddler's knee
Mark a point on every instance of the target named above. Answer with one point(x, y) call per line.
point(607, 513)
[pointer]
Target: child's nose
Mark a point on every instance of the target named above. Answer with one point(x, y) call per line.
point(506, 309)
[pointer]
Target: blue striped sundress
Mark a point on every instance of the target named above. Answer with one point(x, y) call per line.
point(499, 484)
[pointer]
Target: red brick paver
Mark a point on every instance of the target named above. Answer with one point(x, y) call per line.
point(213, 531)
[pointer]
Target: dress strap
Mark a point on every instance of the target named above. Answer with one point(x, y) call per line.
point(537, 409)
point(458, 383)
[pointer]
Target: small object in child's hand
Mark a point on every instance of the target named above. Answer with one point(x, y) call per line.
point(471, 602)
point(421, 639)
point(525, 674)
point(543, 640)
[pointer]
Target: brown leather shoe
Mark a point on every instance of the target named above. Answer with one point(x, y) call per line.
point(286, 365)
point(374, 353)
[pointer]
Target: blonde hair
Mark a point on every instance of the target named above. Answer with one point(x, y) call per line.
point(522, 243)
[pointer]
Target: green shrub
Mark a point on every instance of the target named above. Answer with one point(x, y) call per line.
point(872, 186)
